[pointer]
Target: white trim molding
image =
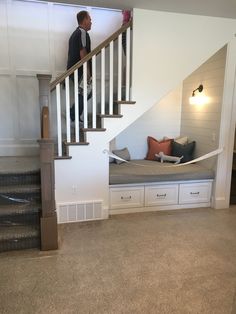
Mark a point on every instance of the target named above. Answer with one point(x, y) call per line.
point(227, 131)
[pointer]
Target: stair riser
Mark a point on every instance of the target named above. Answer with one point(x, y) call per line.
point(19, 198)
point(19, 179)
point(19, 219)
point(19, 244)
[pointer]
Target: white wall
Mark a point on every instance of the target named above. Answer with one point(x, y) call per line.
point(33, 40)
point(85, 177)
point(201, 123)
point(163, 119)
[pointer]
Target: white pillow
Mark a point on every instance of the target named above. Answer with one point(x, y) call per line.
point(181, 140)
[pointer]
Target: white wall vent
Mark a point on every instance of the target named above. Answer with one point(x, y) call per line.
point(74, 212)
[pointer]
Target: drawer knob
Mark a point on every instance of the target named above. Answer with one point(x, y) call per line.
point(161, 195)
point(194, 193)
point(126, 197)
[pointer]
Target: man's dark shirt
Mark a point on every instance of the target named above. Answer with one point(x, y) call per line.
point(75, 45)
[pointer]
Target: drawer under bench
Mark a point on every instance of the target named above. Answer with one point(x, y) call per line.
point(125, 197)
point(161, 194)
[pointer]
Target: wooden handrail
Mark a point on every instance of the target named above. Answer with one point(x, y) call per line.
point(94, 52)
point(45, 123)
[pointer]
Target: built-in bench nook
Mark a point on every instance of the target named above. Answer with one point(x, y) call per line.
point(143, 185)
point(153, 184)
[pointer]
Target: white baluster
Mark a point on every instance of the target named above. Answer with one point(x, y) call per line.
point(119, 66)
point(59, 141)
point(85, 95)
point(94, 85)
point(127, 96)
point(68, 137)
point(76, 96)
point(103, 81)
point(111, 46)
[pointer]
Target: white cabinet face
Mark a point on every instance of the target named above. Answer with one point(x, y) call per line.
point(195, 193)
point(126, 197)
point(161, 195)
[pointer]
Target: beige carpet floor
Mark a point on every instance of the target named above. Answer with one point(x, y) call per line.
point(178, 262)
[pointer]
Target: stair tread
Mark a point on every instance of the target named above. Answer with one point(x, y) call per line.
point(62, 157)
point(76, 143)
point(129, 102)
point(19, 209)
point(18, 232)
point(19, 165)
point(93, 129)
point(20, 188)
point(110, 115)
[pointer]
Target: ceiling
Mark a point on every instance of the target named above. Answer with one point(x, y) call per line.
point(220, 8)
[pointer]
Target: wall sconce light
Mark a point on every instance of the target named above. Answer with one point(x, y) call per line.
point(199, 99)
point(200, 89)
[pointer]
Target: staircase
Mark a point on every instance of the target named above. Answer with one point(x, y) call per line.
point(20, 204)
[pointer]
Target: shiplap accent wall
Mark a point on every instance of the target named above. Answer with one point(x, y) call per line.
point(202, 123)
point(34, 40)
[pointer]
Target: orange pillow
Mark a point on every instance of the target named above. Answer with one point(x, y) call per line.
point(155, 147)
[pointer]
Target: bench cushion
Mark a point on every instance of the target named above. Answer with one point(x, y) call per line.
point(142, 171)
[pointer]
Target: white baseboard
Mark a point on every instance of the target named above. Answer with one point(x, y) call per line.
point(156, 208)
point(220, 203)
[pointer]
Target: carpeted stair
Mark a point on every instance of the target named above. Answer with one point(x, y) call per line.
point(20, 205)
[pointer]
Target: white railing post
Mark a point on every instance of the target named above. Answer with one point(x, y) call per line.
point(103, 81)
point(127, 96)
point(94, 92)
point(85, 94)
point(111, 73)
point(119, 67)
point(67, 85)
point(76, 97)
point(59, 137)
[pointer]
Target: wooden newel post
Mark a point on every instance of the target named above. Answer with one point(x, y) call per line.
point(48, 220)
point(44, 89)
point(44, 102)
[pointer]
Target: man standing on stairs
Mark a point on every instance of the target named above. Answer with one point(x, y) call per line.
point(79, 47)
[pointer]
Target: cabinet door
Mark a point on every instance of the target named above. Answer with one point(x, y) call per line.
point(161, 195)
point(195, 193)
point(126, 197)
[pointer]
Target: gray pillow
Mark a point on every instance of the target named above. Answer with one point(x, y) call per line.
point(122, 153)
